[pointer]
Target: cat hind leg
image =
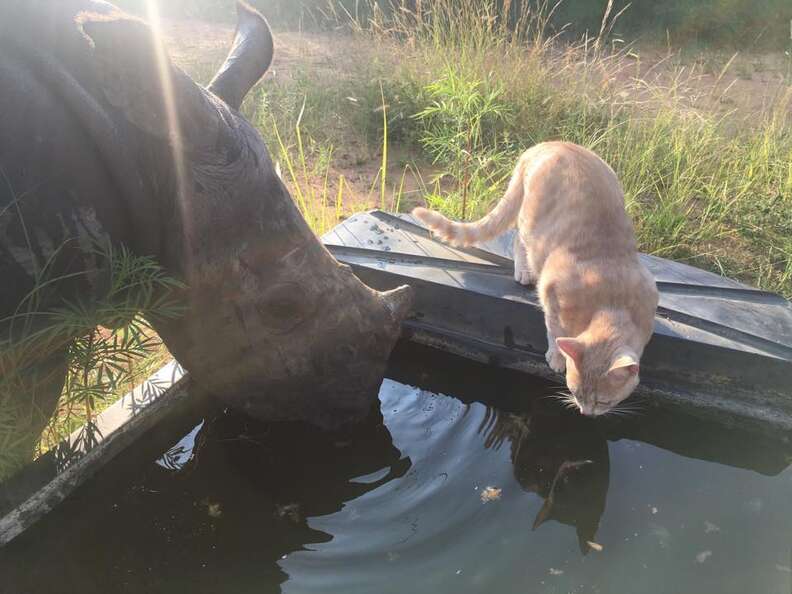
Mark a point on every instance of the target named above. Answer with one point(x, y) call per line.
point(522, 270)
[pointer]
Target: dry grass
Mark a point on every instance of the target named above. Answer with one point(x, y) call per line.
point(706, 170)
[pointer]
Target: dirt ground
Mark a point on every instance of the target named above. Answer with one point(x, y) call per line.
point(197, 45)
point(200, 47)
point(738, 86)
point(742, 81)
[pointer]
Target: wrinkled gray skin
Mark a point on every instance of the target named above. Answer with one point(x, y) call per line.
point(274, 325)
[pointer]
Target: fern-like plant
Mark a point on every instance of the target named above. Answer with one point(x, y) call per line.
point(463, 132)
point(81, 353)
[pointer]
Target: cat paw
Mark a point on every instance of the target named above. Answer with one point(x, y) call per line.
point(556, 360)
point(523, 277)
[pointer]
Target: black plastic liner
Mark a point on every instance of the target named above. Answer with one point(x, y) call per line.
point(720, 348)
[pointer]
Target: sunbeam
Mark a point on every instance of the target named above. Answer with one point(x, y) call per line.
point(171, 112)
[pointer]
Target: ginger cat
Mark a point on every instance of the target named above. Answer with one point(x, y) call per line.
point(576, 242)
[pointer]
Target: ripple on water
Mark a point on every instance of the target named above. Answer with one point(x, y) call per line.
point(421, 520)
point(670, 505)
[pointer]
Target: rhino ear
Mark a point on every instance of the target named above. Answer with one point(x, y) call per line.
point(249, 59)
point(138, 78)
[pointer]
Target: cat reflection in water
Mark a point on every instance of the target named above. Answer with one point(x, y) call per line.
point(564, 461)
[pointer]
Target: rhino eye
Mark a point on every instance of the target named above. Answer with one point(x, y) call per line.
point(280, 312)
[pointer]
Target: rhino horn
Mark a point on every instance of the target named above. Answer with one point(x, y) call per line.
point(248, 60)
point(399, 301)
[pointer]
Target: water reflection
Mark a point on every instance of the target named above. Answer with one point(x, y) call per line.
point(219, 521)
point(395, 504)
point(562, 459)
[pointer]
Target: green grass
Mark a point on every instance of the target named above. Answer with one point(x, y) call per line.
point(467, 95)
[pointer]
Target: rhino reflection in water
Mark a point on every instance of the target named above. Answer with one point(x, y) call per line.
point(102, 138)
point(221, 523)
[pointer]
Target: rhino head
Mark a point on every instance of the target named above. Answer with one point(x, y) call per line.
point(273, 324)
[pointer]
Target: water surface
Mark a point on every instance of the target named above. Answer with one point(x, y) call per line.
point(468, 479)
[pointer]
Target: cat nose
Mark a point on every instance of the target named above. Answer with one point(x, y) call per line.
point(587, 410)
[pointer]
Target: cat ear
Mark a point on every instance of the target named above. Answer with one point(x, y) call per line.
point(543, 514)
point(571, 348)
point(625, 364)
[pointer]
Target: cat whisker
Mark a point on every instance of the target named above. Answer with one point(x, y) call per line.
point(636, 401)
point(555, 395)
point(629, 412)
point(631, 406)
point(563, 396)
point(623, 411)
point(566, 400)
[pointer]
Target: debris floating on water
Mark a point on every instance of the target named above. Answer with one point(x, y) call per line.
point(783, 568)
point(755, 505)
point(703, 556)
point(490, 494)
point(289, 511)
point(214, 510)
point(709, 527)
point(595, 546)
point(554, 571)
point(661, 533)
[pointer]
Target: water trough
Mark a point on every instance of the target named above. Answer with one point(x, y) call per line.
point(721, 349)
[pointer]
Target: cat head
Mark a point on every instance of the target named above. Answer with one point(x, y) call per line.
point(599, 374)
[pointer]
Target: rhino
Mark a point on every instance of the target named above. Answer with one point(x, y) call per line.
point(101, 136)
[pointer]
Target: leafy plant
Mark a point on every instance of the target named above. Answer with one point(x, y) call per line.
point(102, 348)
point(464, 131)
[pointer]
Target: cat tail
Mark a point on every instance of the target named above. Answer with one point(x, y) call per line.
point(499, 219)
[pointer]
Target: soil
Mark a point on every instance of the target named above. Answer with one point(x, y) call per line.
point(742, 85)
point(200, 47)
point(749, 84)
point(703, 82)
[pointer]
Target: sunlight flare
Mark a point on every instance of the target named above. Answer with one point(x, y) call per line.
point(171, 111)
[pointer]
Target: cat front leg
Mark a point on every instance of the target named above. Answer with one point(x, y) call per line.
point(555, 359)
point(522, 270)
